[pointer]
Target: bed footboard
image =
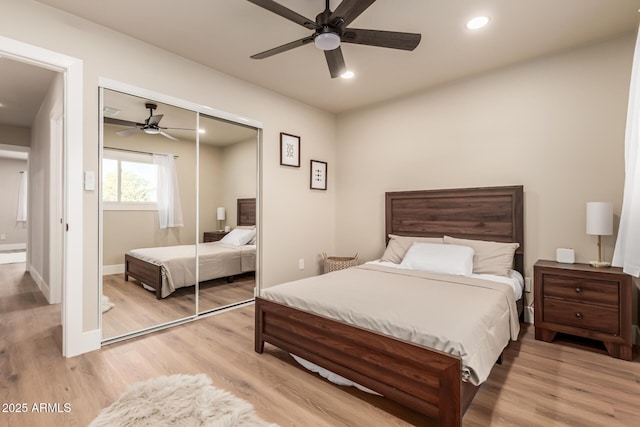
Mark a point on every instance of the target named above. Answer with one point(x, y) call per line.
point(425, 380)
point(145, 272)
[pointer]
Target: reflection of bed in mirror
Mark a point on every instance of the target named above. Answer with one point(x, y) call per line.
point(362, 322)
point(165, 269)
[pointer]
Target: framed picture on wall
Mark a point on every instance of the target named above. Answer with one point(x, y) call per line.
point(318, 175)
point(289, 150)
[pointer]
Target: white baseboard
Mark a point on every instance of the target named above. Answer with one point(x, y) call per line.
point(112, 269)
point(13, 246)
point(42, 285)
point(528, 314)
point(87, 341)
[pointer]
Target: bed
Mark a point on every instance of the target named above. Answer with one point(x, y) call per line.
point(424, 379)
point(165, 269)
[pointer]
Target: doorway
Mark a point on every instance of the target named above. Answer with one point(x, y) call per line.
point(54, 236)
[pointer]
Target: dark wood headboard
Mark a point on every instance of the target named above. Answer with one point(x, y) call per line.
point(486, 213)
point(247, 211)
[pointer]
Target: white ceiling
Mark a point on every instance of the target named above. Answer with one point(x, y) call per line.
point(519, 30)
point(223, 34)
point(22, 90)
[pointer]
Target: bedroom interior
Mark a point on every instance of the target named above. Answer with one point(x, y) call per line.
point(224, 155)
point(512, 105)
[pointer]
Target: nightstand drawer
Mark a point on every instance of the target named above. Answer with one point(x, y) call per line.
point(585, 316)
point(581, 290)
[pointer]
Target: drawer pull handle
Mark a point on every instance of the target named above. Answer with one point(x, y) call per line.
point(578, 290)
point(579, 315)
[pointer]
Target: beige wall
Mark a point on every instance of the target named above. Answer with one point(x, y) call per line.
point(291, 231)
point(15, 135)
point(124, 230)
point(238, 176)
point(10, 176)
point(555, 125)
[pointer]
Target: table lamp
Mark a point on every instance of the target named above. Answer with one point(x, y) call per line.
point(221, 216)
point(599, 223)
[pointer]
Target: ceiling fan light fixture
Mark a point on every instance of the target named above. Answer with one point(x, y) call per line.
point(327, 41)
point(347, 75)
point(477, 22)
point(151, 131)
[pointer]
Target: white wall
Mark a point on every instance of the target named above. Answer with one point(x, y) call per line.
point(290, 231)
point(15, 135)
point(40, 176)
point(15, 232)
point(555, 125)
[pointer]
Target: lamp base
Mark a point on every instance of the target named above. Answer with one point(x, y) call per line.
point(600, 264)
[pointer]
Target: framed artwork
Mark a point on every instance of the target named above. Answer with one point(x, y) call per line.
point(289, 150)
point(318, 175)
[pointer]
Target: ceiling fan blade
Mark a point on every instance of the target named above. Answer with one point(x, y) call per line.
point(128, 132)
point(390, 39)
point(166, 135)
point(349, 10)
point(335, 61)
point(154, 120)
point(283, 48)
point(289, 14)
point(120, 122)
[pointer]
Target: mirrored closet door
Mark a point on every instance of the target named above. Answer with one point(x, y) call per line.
point(149, 213)
point(227, 189)
point(178, 214)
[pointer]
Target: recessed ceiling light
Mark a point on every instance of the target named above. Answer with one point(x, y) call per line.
point(477, 22)
point(202, 131)
point(347, 75)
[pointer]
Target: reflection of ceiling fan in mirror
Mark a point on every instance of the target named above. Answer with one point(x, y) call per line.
point(151, 125)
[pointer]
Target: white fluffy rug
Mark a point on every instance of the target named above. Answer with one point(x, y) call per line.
point(106, 304)
point(181, 401)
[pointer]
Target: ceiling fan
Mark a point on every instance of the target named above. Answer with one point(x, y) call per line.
point(330, 29)
point(151, 125)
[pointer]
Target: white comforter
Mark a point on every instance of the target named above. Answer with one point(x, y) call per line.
point(464, 316)
point(215, 259)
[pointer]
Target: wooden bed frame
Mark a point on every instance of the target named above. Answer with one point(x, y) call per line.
point(423, 379)
point(151, 274)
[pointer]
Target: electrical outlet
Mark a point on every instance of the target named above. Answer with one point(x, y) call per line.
point(301, 264)
point(527, 284)
point(3, 237)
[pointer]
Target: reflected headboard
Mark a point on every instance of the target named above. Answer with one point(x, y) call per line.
point(247, 211)
point(485, 213)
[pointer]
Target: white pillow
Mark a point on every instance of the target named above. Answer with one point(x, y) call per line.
point(239, 236)
point(436, 258)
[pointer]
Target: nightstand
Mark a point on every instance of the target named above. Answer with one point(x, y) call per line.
point(213, 236)
point(581, 300)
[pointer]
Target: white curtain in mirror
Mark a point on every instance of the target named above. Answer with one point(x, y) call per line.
point(22, 198)
point(169, 207)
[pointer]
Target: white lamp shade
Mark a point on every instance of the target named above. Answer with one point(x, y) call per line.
point(221, 214)
point(599, 218)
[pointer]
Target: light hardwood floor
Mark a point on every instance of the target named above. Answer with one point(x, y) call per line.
point(136, 308)
point(539, 384)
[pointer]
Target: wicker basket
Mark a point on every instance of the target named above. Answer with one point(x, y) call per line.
point(334, 263)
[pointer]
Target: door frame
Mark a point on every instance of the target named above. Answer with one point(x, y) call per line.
point(74, 340)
